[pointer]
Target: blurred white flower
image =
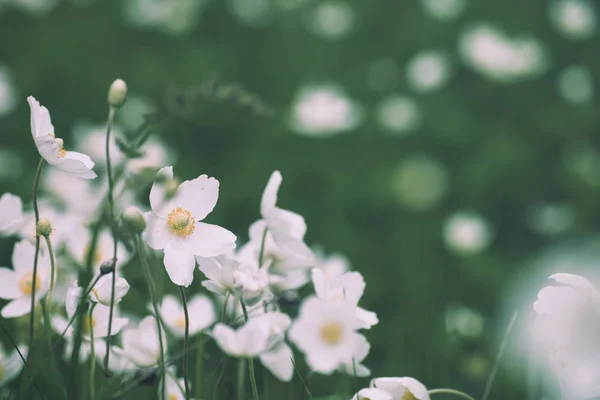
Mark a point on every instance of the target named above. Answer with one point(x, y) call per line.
point(51, 147)
point(575, 84)
point(465, 321)
point(251, 282)
point(11, 364)
point(254, 13)
point(361, 351)
point(154, 155)
point(277, 356)
point(141, 345)
point(11, 214)
point(567, 328)
point(550, 219)
point(333, 265)
point(372, 394)
point(91, 139)
point(248, 341)
point(326, 333)
point(8, 93)
point(102, 291)
point(346, 288)
point(323, 111)
point(398, 114)
point(220, 273)
point(428, 71)
point(420, 182)
point(17, 284)
point(174, 225)
point(467, 232)
point(64, 225)
point(200, 310)
point(575, 19)
point(443, 10)
point(173, 17)
point(499, 58)
point(79, 248)
point(330, 19)
point(175, 389)
point(402, 388)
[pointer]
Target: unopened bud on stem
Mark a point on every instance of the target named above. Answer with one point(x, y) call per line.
point(134, 220)
point(117, 93)
point(44, 227)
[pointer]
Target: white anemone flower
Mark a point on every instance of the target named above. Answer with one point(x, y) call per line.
point(220, 273)
point(141, 345)
point(78, 245)
point(325, 333)
point(249, 340)
point(17, 284)
point(361, 351)
point(201, 314)
point(372, 394)
point(174, 388)
point(51, 148)
point(11, 214)
point(345, 288)
point(174, 224)
point(402, 388)
point(10, 364)
point(251, 282)
point(102, 291)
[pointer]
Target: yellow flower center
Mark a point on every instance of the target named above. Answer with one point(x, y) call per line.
point(408, 396)
point(180, 322)
point(172, 396)
point(61, 151)
point(331, 333)
point(181, 222)
point(88, 325)
point(26, 283)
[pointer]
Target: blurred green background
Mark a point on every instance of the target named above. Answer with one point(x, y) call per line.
point(507, 131)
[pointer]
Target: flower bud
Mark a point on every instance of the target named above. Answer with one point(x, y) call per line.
point(107, 267)
point(102, 291)
point(44, 227)
point(133, 220)
point(117, 93)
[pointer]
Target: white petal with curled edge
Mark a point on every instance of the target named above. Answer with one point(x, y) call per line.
point(179, 263)
point(210, 240)
point(17, 308)
point(199, 196)
point(575, 281)
point(269, 197)
point(373, 394)
point(287, 221)
point(293, 246)
point(77, 164)
point(41, 124)
point(157, 234)
point(279, 362)
point(367, 319)
point(416, 388)
point(9, 288)
point(226, 339)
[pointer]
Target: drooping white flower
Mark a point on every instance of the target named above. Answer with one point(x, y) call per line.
point(51, 148)
point(247, 341)
point(174, 225)
point(372, 394)
point(402, 388)
point(141, 345)
point(11, 364)
point(11, 214)
point(17, 284)
point(345, 288)
point(325, 333)
point(200, 310)
point(220, 272)
point(102, 291)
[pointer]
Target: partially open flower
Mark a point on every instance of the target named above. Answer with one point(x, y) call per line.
point(102, 291)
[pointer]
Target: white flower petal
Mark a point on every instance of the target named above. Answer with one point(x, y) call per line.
point(269, 197)
point(40, 119)
point(373, 394)
point(17, 308)
point(77, 164)
point(575, 281)
point(226, 339)
point(179, 263)
point(279, 362)
point(157, 234)
point(11, 214)
point(199, 196)
point(9, 289)
point(210, 240)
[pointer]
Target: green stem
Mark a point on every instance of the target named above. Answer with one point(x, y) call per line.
point(92, 353)
point(186, 339)
point(52, 269)
point(36, 211)
point(451, 391)
point(153, 298)
point(113, 229)
point(199, 369)
point(241, 379)
point(261, 254)
point(252, 378)
point(490, 381)
point(301, 380)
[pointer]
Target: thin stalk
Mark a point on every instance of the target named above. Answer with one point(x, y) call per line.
point(186, 339)
point(223, 358)
point(36, 211)
point(261, 254)
point(92, 354)
point(492, 377)
point(250, 359)
point(113, 229)
point(52, 268)
point(451, 391)
point(241, 379)
point(301, 380)
point(153, 298)
point(199, 369)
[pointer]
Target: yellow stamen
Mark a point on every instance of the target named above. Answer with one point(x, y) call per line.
point(61, 151)
point(181, 222)
point(408, 396)
point(331, 333)
point(26, 283)
point(180, 322)
point(172, 396)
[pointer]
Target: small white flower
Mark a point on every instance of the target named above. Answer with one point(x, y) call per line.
point(248, 341)
point(220, 273)
point(141, 345)
point(373, 394)
point(11, 364)
point(200, 310)
point(102, 291)
point(17, 284)
point(402, 388)
point(11, 214)
point(427, 71)
point(174, 225)
point(345, 288)
point(325, 333)
point(575, 19)
point(51, 147)
point(443, 10)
